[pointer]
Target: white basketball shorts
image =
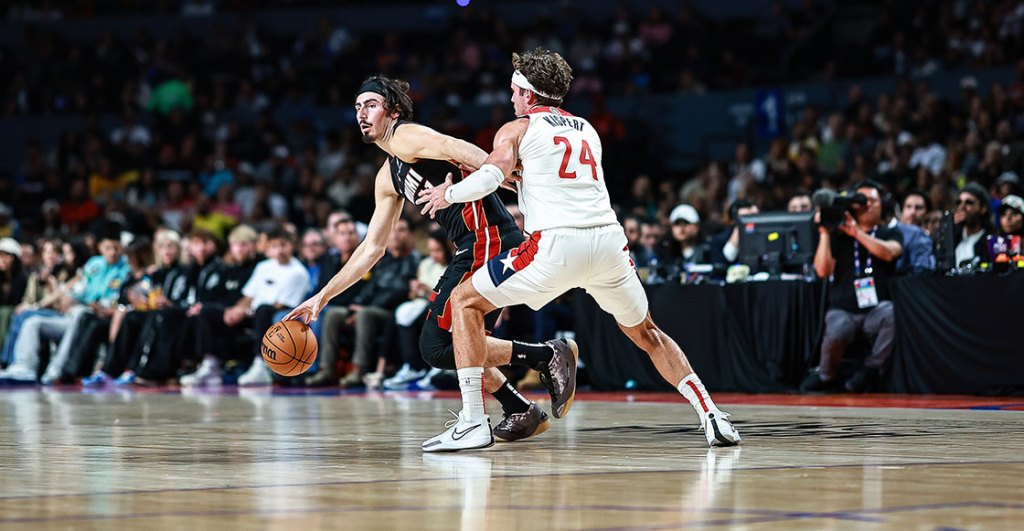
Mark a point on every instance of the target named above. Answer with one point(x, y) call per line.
point(554, 261)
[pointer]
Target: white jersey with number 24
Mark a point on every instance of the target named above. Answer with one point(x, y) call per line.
point(563, 181)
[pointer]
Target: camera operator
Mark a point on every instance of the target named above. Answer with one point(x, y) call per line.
point(860, 257)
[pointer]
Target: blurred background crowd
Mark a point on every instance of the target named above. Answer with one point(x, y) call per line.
point(241, 134)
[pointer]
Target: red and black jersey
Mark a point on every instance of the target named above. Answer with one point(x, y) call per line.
point(463, 221)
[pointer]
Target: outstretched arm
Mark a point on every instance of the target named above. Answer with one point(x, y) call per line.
point(385, 214)
point(495, 169)
point(415, 141)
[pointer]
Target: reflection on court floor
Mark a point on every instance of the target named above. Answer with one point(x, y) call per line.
point(167, 460)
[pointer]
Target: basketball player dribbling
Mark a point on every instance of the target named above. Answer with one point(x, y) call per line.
point(575, 241)
point(419, 157)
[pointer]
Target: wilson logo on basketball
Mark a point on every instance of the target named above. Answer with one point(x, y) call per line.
point(268, 352)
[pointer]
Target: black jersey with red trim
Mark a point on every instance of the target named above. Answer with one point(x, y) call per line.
point(461, 220)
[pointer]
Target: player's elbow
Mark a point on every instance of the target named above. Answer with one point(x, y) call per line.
point(374, 251)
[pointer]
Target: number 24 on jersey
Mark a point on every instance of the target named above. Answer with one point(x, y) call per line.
point(586, 158)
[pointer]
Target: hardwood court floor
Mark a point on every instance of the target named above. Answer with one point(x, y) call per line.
point(252, 460)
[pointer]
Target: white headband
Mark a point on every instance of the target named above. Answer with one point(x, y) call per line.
point(520, 80)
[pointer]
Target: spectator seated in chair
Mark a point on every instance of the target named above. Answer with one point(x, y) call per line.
point(1011, 216)
point(972, 224)
point(95, 293)
point(278, 282)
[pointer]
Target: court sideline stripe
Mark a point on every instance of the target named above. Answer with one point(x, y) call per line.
point(755, 515)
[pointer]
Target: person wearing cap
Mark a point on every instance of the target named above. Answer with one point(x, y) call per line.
point(12, 281)
point(972, 223)
point(1007, 184)
point(43, 293)
point(686, 237)
point(1011, 216)
point(96, 292)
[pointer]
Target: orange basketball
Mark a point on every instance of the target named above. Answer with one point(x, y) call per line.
point(289, 347)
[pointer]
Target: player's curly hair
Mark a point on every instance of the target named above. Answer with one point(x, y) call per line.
point(547, 71)
point(395, 92)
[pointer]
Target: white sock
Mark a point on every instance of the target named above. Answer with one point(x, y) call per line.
point(692, 388)
point(471, 382)
point(210, 359)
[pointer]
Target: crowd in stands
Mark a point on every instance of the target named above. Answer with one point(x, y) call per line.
point(151, 311)
point(930, 155)
point(174, 215)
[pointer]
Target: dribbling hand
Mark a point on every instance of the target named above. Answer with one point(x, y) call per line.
point(432, 198)
point(308, 311)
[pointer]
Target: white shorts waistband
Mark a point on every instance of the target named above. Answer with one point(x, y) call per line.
point(583, 231)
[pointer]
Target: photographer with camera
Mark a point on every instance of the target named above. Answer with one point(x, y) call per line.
point(859, 256)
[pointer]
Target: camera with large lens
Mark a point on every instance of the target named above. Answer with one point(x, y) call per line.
point(834, 205)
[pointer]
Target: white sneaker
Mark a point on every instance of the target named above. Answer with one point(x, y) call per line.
point(257, 374)
point(208, 373)
point(718, 430)
point(462, 434)
point(372, 380)
point(425, 383)
point(18, 374)
point(403, 378)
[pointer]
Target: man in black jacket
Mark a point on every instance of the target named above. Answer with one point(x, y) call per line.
point(972, 224)
point(219, 288)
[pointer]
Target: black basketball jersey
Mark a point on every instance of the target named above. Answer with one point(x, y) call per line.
point(460, 220)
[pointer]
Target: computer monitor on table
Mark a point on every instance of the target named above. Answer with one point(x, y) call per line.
point(778, 242)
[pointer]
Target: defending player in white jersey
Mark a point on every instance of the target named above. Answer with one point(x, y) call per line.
point(575, 241)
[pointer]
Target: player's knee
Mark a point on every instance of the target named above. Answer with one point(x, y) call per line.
point(465, 297)
point(437, 354)
point(462, 296)
point(436, 346)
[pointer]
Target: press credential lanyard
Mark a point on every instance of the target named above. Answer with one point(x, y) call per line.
point(868, 269)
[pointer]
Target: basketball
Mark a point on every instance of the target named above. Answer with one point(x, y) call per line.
point(289, 347)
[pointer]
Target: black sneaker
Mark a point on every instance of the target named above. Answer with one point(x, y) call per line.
point(814, 383)
point(517, 426)
point(863, 380)
point(559, 376)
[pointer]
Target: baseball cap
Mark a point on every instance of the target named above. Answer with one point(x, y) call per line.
point(685, 213)
point(10, 246)
point(1008, 177)
point(1012, 201)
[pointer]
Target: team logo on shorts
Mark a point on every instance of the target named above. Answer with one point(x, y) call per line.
point(502, 267)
